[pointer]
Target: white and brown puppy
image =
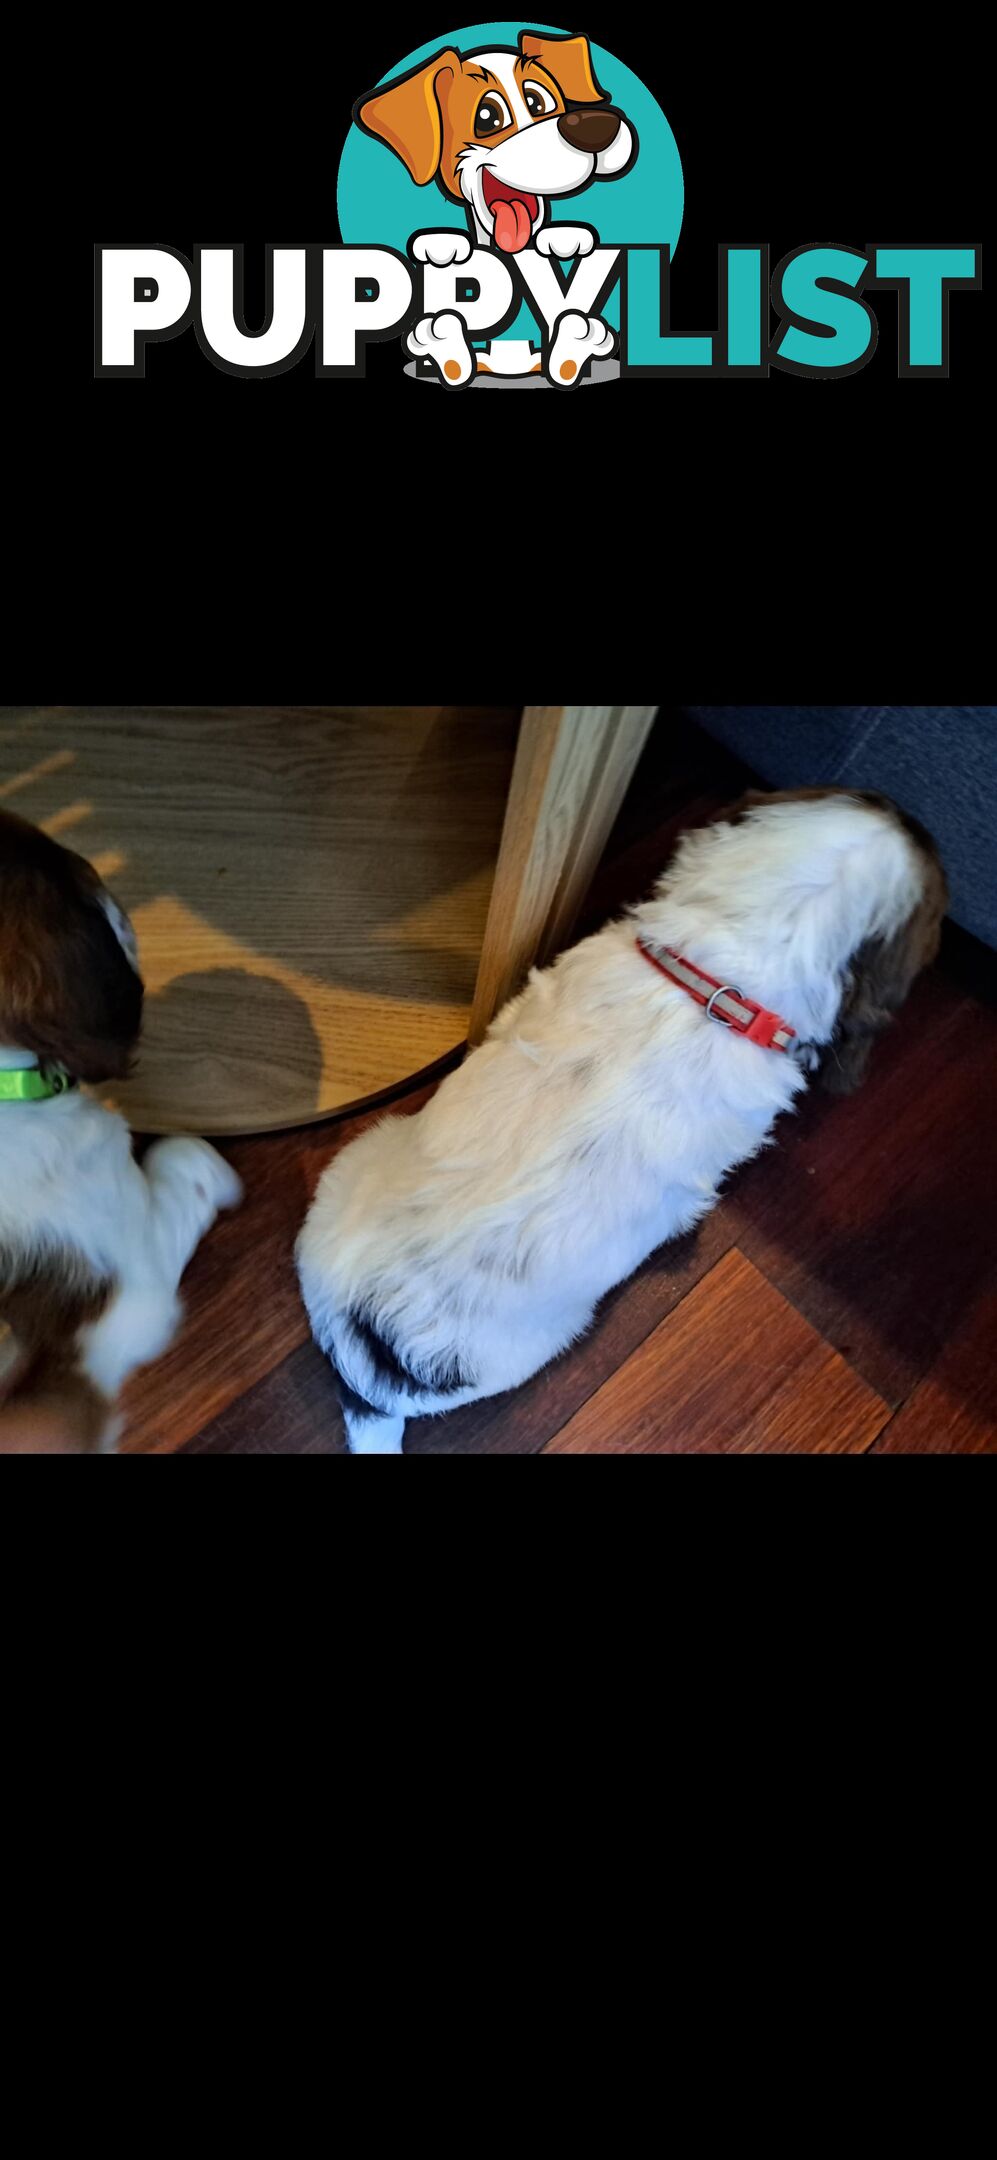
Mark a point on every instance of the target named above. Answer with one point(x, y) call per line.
point(502, 133)
point(92, 1247)
point(450, 1255)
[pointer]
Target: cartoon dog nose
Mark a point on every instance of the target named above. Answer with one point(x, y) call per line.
point(589, 130)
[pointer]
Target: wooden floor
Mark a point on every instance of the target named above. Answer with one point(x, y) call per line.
point(841, 1299)
point(309, 887)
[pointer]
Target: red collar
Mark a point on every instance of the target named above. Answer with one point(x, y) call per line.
point(722, 1001)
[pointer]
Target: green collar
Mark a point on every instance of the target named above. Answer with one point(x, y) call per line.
point(34, 1083)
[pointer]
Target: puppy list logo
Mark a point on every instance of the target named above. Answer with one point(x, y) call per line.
point(506, 282)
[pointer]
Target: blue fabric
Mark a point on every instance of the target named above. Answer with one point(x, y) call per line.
point(937, 761)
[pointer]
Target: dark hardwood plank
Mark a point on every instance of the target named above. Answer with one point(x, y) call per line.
point(954, 1411)
point(242, 1305)
point(876, 1214)
point(735, 1370)
point(293, 1411)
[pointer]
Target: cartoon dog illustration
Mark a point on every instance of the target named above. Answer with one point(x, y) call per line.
point(502, 133)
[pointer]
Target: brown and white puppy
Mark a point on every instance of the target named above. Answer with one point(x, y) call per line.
point(91, 1246)
point(503, 132)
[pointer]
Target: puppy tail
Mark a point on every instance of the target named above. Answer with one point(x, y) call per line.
point(374, 1435)
point(368, 1431)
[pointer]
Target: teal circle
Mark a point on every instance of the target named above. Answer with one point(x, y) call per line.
point(379, 205)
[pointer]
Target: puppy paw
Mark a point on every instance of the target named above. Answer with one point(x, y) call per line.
point(443, 339)
point(195, 1163)
point(565, 241)
point(441, 248)
point(577, 340)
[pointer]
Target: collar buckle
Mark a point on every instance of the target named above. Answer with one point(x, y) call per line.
point(34, 1083)
point(724, 990)
point(55, 1076)
point(754, 1022)
point(764, 1028)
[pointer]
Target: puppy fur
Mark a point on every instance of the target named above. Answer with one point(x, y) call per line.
point(92, 1247)
point(450, 1255)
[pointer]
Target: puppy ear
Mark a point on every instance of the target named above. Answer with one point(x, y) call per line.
point(407, 115)
point(67, 989)
point(569, 60)
point(880, 975)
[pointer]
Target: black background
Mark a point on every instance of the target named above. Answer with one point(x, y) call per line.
point(302, 540)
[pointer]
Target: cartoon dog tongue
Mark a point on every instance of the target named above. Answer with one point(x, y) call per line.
point(513, 226)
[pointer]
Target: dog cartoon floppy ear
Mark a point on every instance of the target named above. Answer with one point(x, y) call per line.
point(569, 61)
point(407, 114)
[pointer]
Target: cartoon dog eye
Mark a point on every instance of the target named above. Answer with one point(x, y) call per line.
point(538, 100)
point(492, 115)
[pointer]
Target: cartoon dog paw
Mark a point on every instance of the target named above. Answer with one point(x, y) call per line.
point(565, 241)
point(577, 340)
point(443, 339)
point(441, 248)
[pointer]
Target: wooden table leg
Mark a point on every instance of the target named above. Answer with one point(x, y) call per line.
point(573, 766)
